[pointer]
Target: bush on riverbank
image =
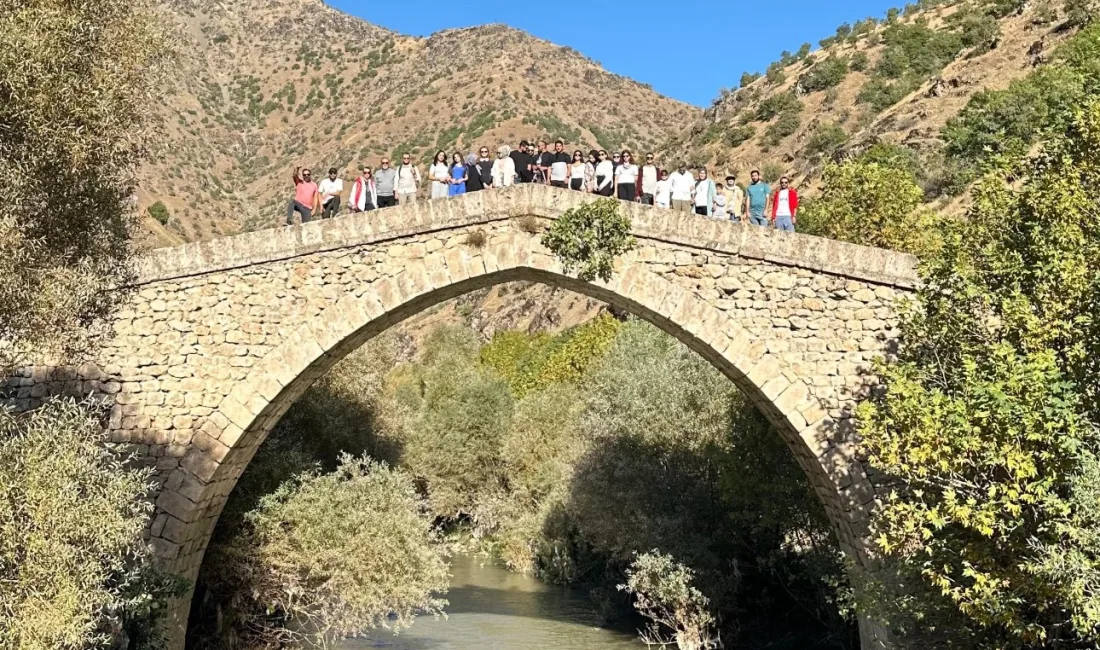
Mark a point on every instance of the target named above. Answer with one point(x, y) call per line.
point(328, 556)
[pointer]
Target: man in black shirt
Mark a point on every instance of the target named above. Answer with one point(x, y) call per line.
point(524, 162)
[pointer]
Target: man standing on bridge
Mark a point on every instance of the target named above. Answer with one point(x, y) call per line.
point(756, 200)
point(307, 200)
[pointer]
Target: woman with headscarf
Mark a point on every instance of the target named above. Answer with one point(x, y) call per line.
point(504, 169)
point(473, 178)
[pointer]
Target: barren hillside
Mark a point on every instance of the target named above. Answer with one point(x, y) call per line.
point(265, 85)
point(897, 80)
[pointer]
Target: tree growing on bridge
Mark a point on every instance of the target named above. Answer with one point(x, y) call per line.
point(990, 419)
point(588, 238)
point(75, 83)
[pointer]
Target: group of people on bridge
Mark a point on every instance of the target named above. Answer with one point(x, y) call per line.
point(596, 172)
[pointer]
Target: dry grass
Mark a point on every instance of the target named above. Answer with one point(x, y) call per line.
point(477, 239)
point(530, 224)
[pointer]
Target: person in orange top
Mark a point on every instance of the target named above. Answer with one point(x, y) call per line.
point(307, 200)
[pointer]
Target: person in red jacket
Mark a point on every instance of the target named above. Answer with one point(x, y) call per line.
point(785, 206)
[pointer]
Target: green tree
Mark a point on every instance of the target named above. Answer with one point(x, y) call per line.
point(989, 418)
point(73, 564)
point(663, 592)
point(869, 204)
point(588, 238)
point(75, 84)
point(326, 556)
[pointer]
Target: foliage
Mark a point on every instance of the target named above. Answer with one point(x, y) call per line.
point(979, 30)
point(1006, 123)
point(880, 94)
point(916, 49)
point(588, 238)
point(870, 204)
point(451, 419)
point(774, 105)
point(989, 417)
point(75, 83)
point(772, 171)
point(824, 75)
point(532, 362)
point(826, 139)
point(663, 592)
point(738, 135)
point(1079, 12)
point(74, 569)
point(786, 124)
point(326, 556)
point(748, 77)
point(159, 212)
point(859, 62)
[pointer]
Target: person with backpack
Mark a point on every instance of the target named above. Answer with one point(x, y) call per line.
point(407, 180)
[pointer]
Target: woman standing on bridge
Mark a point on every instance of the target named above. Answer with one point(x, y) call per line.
point(459, 174)
point(440, 176)
point(577, 171)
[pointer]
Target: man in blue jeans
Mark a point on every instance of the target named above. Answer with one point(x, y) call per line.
point(756, 200)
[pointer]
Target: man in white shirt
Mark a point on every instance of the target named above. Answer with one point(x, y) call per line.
point(683, 188)
point(650, 177)
point(331, 188)
point(662, 194)
point(408, 180)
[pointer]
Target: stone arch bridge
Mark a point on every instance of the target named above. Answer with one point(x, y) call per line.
point(220, 338)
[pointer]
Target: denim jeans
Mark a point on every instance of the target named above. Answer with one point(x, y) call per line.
point(758, 220)
point(784, 223)
point(300, 209)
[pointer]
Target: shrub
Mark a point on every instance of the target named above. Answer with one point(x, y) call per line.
point(826, 139)
point(739, 135)
point(916, 49)
point(328, 556)
point(77, 80)
point(589, 238)
point(1079, 12)
point(159, 211)
point(786, 124)
point(74, 569)
point(530, 224)
point(748, 77)
point(477, 239)
point(859, 62)
point(772, 172)
point(775, 74)
point(880, 94)
point(979, 31)
point(663, 592)
point(776, 104)
point(869, 204)
point(824, 75)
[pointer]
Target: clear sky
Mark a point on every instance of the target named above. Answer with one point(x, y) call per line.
point(687, 49)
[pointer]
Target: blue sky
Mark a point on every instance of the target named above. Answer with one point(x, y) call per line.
point(687, 49)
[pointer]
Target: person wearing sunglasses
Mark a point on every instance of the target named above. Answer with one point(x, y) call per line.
point(626, 178)
point(482, 170)
point(605, 175)
point(364, 192)
point(577, 171)
point(785, 206)
point(559, 166)
point(307, 198)
point(332, 188)
point(647, 180)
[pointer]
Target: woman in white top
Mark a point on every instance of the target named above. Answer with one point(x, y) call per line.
point(440, 176)
point(626, 178)
point(576, 171)
point(704, 194)
point(605, 170)
point(504, 168)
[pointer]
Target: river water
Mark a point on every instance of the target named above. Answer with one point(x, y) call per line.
point(494, 609)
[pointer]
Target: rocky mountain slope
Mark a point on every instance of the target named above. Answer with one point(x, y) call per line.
point(264, 85)
point(897, 80)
